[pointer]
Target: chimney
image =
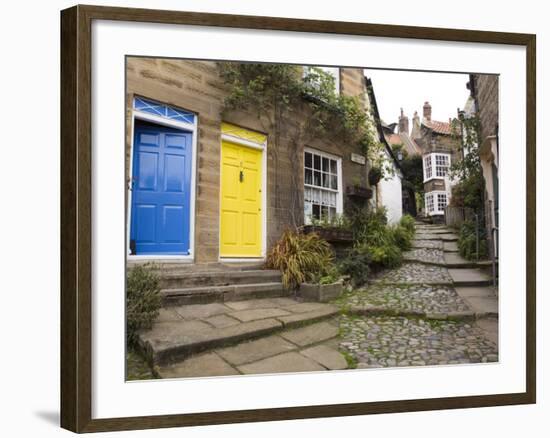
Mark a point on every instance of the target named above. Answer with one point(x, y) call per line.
point(427, 111)
point(403, 123)
point(415, 133)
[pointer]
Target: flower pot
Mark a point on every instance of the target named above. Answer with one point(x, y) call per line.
point(358, 192)
point(320, 292)
point(330, 234)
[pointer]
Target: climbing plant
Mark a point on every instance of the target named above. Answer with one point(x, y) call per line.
point(469, 191)
point(279, 94)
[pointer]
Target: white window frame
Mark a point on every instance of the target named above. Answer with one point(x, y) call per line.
point(435, 200)
point(339, 192)
point(430, 171)
point(333, 71)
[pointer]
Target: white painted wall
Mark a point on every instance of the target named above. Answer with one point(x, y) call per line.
point(389, 195)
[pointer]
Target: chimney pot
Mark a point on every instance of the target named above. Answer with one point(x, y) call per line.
point(403, 123)
point(427, 113)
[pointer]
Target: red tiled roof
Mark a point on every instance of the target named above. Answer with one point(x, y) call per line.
point(438, 127)
point(411, 146)
point(394, 139)
point(404, 139)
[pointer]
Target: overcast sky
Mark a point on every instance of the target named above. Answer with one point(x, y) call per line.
point(409, 90)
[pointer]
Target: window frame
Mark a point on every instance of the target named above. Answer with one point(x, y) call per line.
point(433, 166)
point(435, 202)
point(339, 191)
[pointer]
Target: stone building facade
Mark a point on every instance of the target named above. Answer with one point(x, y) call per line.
point(441, 147)
point(484, 92)
point(239, 191)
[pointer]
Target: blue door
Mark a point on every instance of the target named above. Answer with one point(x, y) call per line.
point(161, 190)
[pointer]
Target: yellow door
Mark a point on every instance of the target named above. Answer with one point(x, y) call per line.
point(241, 201)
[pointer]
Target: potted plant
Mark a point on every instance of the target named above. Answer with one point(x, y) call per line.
point(322, 289)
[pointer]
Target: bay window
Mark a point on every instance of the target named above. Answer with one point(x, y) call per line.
point(436, 165)
point(435, 202)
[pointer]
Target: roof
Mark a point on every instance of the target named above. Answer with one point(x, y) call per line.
point(410, 145)
point(378, 122)
point(444, 128)
point(404, 139)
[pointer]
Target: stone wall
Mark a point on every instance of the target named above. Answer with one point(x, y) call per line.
point(486, 96)
point(196, 86)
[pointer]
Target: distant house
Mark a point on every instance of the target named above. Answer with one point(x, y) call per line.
point(441, 147)
point(388, 191)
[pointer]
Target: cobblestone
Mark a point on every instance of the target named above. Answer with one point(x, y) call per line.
point(435, 244)
point(415, 273)
point(398, 341)
point(408, 298)
point(427, 255)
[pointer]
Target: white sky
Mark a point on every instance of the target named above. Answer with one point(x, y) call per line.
point(409, 90)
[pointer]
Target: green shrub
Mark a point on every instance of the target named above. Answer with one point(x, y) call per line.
point(387, 255)
point(332, 275)
point(407, 221)
point(377, 239)
point(300, 257)
point(143, 300)
point(402, 237)
point(467, 241)
point(356, 265)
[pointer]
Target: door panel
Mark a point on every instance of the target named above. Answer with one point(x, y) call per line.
point(241, 201)
point(161, 190)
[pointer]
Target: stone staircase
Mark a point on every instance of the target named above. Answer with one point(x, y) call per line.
point(470, 279)
point(211, 308)
point(201, 287)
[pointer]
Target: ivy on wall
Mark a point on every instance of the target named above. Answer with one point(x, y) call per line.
point(280, 95)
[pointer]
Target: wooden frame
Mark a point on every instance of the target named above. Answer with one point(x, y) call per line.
point(76, 174)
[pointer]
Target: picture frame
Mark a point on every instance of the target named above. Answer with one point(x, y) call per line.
point(76, 217)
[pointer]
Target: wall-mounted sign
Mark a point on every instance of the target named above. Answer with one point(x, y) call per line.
point(359, 159)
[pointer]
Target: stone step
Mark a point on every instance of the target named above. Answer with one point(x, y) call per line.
point(233, 292)
point(446, 237)
point(450, 246)
point(454, 260)
point(180, 280)
point(174, 340)
point(310, 348)
point(166, 266)
point(482, 300)
point(469, 278)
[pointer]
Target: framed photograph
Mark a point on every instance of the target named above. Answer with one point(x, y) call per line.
point(270, 218)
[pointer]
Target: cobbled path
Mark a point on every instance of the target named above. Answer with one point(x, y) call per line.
point(434, 244)
point(408, 298)
point(426, 255)
point(396, 339)
point(415, 273)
